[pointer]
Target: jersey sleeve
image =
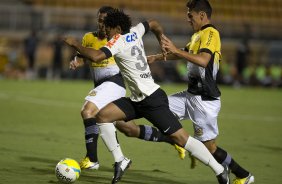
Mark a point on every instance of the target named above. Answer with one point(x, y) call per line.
point(142, 28)
point(209, 41)
point(84, 40)
point(112, 47)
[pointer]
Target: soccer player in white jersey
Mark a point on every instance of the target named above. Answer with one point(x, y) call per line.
point(147, 99)
point(109, 86)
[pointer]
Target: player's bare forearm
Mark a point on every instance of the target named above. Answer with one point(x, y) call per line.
point(160, 57)
point(156, 28)
point(202, 59)
point(89, 53)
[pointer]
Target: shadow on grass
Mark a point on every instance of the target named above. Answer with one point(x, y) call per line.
point(38, 159)
point(132, 176)
point(104, 174)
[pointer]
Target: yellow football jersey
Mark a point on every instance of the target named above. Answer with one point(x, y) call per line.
point(202, 80)
point(205, 40)
point(91, 40)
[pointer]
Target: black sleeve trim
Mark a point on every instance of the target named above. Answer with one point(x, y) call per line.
point(147, 26)
point(106, 51)
point(206, 50)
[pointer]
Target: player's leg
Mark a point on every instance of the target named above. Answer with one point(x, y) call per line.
point(88, 113)
point(105, 117)
point(147, 133)
point(143, 132)
point(169, 125)
point(96, 100)
point(224, 158)
point(206, 130)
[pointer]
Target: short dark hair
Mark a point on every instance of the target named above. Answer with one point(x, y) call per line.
point(105, 9)
point(200, 5)
point(118, 18)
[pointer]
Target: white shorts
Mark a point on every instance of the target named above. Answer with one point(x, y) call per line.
point(105, 93)
point(203, 113)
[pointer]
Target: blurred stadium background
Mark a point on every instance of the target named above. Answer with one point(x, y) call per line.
point(250, 30)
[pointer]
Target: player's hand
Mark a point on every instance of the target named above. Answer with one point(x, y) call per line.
point(75, 63)
point(151, 59)
point(71, 41)
point(168, 46)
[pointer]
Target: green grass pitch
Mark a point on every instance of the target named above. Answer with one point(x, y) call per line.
point(40, 124)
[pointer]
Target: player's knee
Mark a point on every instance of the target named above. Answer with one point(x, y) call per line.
point(180, 137)
point(101, 118)
point(211, 145)
point(88, 113)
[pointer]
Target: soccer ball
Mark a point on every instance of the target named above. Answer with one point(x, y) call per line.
point(67, 170)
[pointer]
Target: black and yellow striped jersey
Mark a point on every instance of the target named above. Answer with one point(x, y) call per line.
point(91, 40)
point(202, 81)
point(105, 70)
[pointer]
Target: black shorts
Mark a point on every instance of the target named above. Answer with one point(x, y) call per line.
point(154, 108)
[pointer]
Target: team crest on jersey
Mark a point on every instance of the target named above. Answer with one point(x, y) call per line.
point(92, 93)
point(197, 38)
point(198, 131)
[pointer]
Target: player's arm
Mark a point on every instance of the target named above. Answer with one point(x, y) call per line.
point(202, 59)
point(89, 53)
point(161, 57)
point(157, 29)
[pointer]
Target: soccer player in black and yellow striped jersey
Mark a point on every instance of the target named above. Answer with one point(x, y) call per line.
point(108, 83)
point(201, 101)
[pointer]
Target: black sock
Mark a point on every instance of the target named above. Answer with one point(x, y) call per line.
point(222, 157)
point(149, 133)
point(91, 138)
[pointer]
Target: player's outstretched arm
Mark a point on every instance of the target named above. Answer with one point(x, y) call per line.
point(89, 53)
point(160, 57)
point(202, 59)
point(157, 29)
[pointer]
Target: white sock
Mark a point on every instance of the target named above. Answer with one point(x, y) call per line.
point(108, 135)
point(199, 151)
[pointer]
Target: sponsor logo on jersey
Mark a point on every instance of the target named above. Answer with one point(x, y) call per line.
point(92, 93)
point(210, 38)
point(113, 41)
point(146, 75)
point(132, 37)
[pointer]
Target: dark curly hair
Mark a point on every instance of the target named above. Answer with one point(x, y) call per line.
point(200, 5)
point(105, 9)
point(116, 18)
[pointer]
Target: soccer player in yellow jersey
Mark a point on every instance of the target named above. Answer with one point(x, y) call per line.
point(109, 86)
point(201, 101)
point(146, 100)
